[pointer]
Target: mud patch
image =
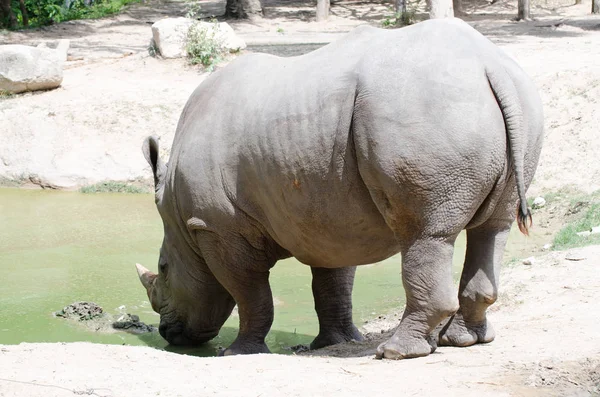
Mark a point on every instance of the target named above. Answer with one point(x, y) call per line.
point(94, 318)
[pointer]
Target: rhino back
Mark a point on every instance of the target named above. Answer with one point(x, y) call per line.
point(267, 147)
point(265, 143)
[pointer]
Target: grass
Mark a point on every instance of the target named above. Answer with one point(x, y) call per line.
point(113, 187)
point(5, 94)
point(567, 237)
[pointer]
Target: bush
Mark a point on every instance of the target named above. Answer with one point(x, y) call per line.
point(203, 46)
point(47, 12)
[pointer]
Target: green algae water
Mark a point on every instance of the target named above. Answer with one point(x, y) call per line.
point(57, 248)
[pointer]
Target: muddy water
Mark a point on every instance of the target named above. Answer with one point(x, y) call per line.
point(61, 247)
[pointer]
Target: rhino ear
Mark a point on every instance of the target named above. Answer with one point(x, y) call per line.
point(150, 150)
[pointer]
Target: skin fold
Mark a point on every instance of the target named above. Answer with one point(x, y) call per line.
point(382, 142)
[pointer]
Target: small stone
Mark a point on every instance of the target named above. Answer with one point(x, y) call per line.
point(539, 202)
point(584, 234)
point(546, 247)
point(529, 261)
point(575, 256)
point(595, 230)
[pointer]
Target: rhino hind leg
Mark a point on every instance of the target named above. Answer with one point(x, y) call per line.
point(430, 298)
point(478, 288)
point(332, 291)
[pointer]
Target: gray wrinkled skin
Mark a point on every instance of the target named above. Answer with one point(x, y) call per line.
point(383, 142)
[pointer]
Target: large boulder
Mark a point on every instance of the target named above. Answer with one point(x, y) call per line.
point(25, 68)
point(225, 35)
point(170, 36)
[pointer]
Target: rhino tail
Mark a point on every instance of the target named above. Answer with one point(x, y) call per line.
point(508, 99)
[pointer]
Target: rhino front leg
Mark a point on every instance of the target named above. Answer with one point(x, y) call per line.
point(430, 298)
point(478, 288)
point(252, 293)
point(332, 291)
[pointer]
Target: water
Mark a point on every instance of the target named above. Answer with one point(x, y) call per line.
point(287, 50)
point(57, 248)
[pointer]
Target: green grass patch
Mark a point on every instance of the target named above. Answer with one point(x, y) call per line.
point(113, 187)
point(6, 94)
point(98, 10)
point(567, 237)
point(47, 12)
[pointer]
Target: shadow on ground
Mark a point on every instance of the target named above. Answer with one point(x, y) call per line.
point(278, 342)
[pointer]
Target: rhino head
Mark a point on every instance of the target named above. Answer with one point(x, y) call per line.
point(192, 304)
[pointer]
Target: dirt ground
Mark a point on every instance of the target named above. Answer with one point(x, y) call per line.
point(114, 94)
point(547, 344)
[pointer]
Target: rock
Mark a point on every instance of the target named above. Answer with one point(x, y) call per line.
point(546, 247)
point(24, 68)
point(225, 34)
point(132, 324)
point(586, 233)
point(63, 48)
point(529, 261)
point(81, 311)
point(539, 202)
point(170, 36)
point(575, 256)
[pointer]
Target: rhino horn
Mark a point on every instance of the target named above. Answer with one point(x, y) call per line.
point(146, 276)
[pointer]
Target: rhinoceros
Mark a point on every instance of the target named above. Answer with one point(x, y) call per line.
point(383, 142)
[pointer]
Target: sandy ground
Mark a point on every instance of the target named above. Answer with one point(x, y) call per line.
point(114, 94)
point(548, 344)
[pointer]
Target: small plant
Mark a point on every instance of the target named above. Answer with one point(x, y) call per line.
point(399, 19)
point(204, 46)
point(112, 187)
point(192, 8)
point(152, 49)
point(6, 94)
point(280, 31)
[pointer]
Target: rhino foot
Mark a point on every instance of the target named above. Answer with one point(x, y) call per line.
point(398, 348)
point(244, 348)
point(330, 337)
point(458, 333)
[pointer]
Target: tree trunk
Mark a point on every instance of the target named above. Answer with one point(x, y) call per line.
point(401, 7)
point(322, 10)
point(440, 9)
point(24, 13)
point(7, 15)
point(595, 6)
point(242, 9)
point(523, 6)
point(457, 5)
